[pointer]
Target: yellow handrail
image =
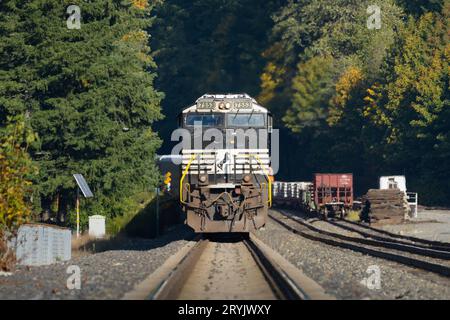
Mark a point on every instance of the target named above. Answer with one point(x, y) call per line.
point(184, 175)
point(268, 179)
point(269, 189)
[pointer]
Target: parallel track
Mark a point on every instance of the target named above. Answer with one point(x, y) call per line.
point(381, 248)
point(368, 231)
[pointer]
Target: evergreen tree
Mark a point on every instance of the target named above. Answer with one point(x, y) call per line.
point(91, 100)
point(15, 74)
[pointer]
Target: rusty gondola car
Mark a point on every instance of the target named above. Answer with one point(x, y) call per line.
point(333, 193)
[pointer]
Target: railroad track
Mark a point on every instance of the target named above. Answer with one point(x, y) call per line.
point(418, 256)
point(368, 231)
point(240, 268)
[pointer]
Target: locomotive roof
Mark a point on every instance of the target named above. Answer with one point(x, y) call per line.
point(217, 98)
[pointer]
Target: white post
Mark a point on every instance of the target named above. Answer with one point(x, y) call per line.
point(417, 204)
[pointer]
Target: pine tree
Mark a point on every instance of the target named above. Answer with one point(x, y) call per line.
point(91, 99)
point(15, 74)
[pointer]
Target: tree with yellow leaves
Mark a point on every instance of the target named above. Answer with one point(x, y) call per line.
point(347, 83)
point(16, 171)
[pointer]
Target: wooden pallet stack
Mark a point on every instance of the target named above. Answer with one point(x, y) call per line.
point(387, 205)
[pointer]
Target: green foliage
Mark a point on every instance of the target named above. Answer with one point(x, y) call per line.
point(135, 204)
point(89, 93)
point(16, 171)
point(307, 29)
point(312, 89)
point(419, 7)
point(352, 99)
point(145, 223)
point(369, 101)
point(416, 104)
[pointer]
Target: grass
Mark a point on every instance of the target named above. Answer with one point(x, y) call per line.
point(353, 215)
point(144, 223)
point(136, 204)
point(138, 221)
point(86, 244)
point(140, 224)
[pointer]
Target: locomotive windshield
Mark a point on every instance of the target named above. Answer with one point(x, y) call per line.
point(245, 120)
point(206, 120)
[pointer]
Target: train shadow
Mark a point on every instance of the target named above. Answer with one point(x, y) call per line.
point(124, 242)
point(146, 230)
point(226, 237)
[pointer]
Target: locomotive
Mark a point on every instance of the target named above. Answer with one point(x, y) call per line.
point(226, 177)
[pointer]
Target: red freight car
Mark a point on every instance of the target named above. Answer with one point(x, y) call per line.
point(333, 193)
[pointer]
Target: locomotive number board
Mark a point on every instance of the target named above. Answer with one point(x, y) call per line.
point(231, 104)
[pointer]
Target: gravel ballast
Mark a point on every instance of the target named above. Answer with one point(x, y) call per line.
point(112, 273)
point(341, 272)
point(105, 275)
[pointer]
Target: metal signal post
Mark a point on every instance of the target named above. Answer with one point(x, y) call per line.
point(78, 212)
point(87, 193)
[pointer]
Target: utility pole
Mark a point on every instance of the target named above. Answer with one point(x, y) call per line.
point(87, 193)
point(78, 212)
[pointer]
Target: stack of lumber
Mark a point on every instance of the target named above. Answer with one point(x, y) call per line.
point(387, 205)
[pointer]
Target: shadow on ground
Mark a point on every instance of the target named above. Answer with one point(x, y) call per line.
point(146, 230)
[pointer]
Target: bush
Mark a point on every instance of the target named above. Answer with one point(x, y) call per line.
point(16, 171)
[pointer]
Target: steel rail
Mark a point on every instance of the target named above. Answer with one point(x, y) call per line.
point(169, 288)
point(388, 238)
point(383, 242)
point(438, 245)
point(322, 237)
point(282, 285)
